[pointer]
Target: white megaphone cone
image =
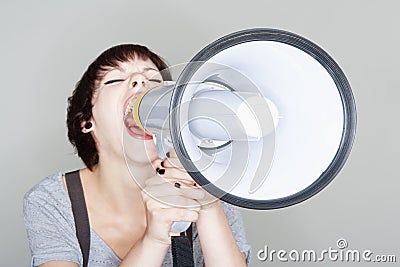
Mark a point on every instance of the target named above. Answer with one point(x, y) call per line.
point(260, 118)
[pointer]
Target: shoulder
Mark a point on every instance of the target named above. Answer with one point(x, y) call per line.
point(49, 222)
point(47, 200)
point(49, 189)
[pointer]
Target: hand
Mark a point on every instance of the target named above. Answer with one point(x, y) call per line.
point(166, 204)
point(174, 168)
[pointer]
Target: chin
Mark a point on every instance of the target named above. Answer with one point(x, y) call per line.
point(141, 151)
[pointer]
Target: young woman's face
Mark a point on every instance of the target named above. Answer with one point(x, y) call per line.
point(110, 100)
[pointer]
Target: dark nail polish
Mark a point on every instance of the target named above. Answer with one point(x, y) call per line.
point(161, 171)
point(168, 154)
point(178, 185)
point(162, 163)
point(157, 169)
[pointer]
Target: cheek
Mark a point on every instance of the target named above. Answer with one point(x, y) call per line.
point(108, 122)
point(107, 111)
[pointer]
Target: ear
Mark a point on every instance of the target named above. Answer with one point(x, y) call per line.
point(87, 126)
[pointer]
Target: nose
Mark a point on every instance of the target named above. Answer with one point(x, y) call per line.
point(136, 83)
point(138, 80)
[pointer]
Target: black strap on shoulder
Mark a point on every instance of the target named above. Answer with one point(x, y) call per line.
point(75, 192)
point(189, 234)
point(182, 246)
point(182, 249)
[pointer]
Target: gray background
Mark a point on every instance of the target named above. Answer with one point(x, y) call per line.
point(46, 46)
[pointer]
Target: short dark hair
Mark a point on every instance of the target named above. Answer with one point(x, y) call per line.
point(80, 103)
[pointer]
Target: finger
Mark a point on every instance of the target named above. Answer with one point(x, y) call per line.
point(175, 215)
point(181, 183)
point(193, 193)
point(180, 202)
point(167, 202)
point(172, 154)
point(155, 180)
point(173, 184)
point(157, 190)
point(172, 162)
point(156, 163)
point(154, 204)
point(178, 178)
point(161, 190)
point(174, 173)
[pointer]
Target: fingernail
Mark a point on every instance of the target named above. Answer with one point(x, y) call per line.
point(161, 171)
point(157, 169)
point(162, 163)
point(168, 154)
point(178, 185)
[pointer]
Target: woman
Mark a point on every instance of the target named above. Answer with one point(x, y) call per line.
point(129, 225)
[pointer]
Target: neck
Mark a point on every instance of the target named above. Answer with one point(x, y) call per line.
point(116, 182)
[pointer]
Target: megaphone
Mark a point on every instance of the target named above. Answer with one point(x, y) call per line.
point(260, 118)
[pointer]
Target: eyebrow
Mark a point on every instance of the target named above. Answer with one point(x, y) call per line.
point(150, 68)
point(112, 69)
point(124, 70)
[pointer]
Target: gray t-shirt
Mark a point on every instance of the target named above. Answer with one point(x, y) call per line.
point(51, 229)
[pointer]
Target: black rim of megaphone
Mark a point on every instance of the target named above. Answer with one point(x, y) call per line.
point(342, 84)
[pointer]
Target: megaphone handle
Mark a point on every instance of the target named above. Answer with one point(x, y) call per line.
point(179, 227)
point(162, 146)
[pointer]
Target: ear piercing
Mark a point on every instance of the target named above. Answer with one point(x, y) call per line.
point(88, 125)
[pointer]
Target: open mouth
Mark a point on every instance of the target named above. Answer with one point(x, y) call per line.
point(131, 126)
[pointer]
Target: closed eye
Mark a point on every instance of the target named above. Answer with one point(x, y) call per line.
point(155, 80)
point(113, 81)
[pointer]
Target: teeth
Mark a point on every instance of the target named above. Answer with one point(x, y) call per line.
point(129, 107)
